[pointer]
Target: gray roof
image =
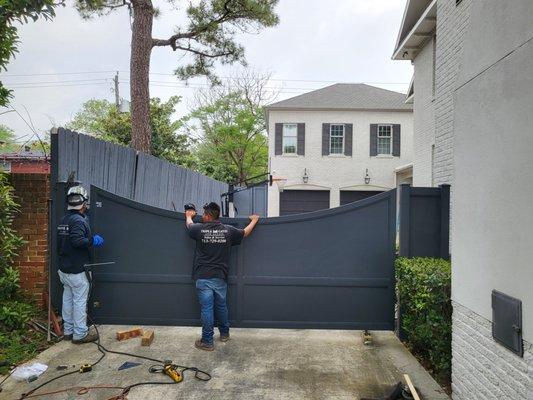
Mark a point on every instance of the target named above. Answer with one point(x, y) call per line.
point(346, 96)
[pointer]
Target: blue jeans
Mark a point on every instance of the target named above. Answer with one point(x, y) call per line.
point(74, 311)
point(212, 298)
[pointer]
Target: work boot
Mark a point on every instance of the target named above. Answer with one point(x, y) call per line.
point(67, 337)
point(91, 336)
point(224, 338)
point(203, 346)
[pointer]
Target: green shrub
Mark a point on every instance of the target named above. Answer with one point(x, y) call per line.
point(9, 283)
point(14, 314)
point(424, 289)
point(10, 241)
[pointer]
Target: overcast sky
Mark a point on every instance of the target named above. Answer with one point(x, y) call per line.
point(317, 42)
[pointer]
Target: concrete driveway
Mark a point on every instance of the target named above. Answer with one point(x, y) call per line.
point(281, 364)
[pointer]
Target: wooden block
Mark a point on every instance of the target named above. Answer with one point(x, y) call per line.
point(412, 389)
point(148, 338)
point(123, 335)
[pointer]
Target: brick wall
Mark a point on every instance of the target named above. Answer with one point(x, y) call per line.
point(483, 369)
point(32, 192)
point(424, 116)
point(452, 24)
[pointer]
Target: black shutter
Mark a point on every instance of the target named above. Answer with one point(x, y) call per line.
point(301, 139)
point(396, 140)
point(278, 140)
point(373, 140)
point(325, 139)
point(348, 139)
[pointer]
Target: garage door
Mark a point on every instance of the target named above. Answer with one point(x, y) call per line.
point(292, 272)
point(302, 201)
point(349, 196)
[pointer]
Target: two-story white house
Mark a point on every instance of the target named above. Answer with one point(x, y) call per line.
point(337, 145)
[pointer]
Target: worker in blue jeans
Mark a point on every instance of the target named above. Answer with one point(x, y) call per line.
point(210, 270)
point(74, 242)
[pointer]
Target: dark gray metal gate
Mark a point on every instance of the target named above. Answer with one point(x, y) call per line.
point(326, 269)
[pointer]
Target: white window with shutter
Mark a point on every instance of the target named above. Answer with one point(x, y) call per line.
point(336, 139)
point(384, 140)
point(290, 138)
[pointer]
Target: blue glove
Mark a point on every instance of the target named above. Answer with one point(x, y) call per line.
point(98, 241)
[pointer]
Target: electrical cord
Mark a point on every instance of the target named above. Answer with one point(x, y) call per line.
point(198, 373)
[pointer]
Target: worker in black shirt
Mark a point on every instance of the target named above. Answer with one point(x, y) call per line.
point(210, 270)
point(74, 242)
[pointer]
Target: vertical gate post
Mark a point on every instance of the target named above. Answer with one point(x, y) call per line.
point(445, 221)
point(405, 229)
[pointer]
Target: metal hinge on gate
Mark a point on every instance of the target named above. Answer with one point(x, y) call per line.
point(99, 204)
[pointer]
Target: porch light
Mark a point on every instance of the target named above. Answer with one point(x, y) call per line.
point(367, 177)
point(305, 176)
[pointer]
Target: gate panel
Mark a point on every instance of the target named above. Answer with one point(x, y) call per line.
point(326, 269)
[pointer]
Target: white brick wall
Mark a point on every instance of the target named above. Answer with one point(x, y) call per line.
point(337, 172)
point(483, 369)
point(424, 116)
point(452, 25)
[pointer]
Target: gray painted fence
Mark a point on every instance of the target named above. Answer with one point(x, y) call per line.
point(425, 221)
point(250, 201)
point(120, 170)
point(325, 269)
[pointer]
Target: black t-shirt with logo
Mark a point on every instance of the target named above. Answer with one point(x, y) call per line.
point(213, 244)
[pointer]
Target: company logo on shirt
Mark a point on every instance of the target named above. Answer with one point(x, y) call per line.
point(214, 236)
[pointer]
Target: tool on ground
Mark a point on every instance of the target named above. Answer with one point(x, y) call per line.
point(85, 368)
point(169, 369)
point(61, 367)
point(198, 373)
point(52, 317)
point(127, 365)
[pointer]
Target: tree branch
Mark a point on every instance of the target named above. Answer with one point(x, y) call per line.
point(172, 41)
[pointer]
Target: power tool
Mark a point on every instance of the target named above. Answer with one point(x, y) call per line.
point(172, 371)
point(189, 206)
point(168, 369)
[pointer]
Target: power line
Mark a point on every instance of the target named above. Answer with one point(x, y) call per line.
point(53, 86)
point(221, 77)
point(54, 82)
point(62, 73)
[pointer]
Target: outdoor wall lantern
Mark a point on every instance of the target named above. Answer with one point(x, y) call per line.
point(367, 177)
point(305, 176)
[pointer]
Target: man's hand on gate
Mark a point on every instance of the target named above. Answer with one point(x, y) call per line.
point(190, 213)
point(253, 221)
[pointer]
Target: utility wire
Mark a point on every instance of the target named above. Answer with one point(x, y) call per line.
point(221, 77)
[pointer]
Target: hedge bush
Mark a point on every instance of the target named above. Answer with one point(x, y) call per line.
point(424, 290)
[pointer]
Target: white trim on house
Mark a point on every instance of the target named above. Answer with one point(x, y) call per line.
point(422, 30)
point(292, 153)
point(337, 136)
point(390, 137)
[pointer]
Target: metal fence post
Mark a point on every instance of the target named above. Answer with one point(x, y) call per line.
point(445, 221)
point(405, 229)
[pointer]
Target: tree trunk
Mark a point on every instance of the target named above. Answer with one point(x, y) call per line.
point(141, 49)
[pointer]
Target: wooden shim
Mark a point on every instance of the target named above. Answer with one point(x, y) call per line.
point(123, 335)
point(147, 338)
point(412, 389)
